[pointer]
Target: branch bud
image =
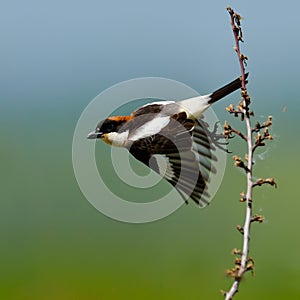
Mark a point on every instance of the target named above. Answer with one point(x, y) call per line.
point(257, 218)
point(240, 229)
point(243, 197)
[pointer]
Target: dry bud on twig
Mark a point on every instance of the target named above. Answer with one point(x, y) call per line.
point(261, 181)
point(240, 229)
point(239, 163)
point(237, 251)
point(257, 218)
point(243, 197)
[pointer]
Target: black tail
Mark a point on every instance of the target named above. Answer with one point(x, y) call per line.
point(226, 90)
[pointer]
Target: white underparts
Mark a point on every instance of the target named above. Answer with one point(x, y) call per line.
point(117, 139)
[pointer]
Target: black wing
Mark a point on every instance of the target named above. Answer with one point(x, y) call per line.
point(181, 153)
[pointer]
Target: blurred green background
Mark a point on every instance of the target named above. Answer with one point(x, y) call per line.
point(58, 55)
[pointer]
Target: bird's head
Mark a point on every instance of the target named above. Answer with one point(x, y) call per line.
point(108, 129)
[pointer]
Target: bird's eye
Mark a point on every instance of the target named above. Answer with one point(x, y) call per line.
point(97, 129)
point(109, 127)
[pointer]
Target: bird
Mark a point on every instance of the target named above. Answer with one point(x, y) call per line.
point(171, 138)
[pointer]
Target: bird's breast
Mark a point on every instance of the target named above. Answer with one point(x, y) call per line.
point(116, 139)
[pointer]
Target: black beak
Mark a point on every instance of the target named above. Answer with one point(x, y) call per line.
point(94, 135)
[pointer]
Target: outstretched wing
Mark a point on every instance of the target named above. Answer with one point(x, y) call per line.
point(181, 153)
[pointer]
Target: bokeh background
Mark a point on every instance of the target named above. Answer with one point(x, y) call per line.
point(56, 56)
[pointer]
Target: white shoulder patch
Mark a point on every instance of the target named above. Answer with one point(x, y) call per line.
point(150, 128)
point(159, 102)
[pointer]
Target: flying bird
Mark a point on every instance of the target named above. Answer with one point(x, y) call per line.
point(170, 138)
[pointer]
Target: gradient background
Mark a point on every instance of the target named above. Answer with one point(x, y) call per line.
point(58, 55)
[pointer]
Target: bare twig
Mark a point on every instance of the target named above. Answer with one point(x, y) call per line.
point(228, 131)
point(243, 262)
point(259, 139)
point(243, 265)
point(266, 124)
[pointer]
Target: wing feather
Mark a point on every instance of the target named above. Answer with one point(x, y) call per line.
point(185, 147)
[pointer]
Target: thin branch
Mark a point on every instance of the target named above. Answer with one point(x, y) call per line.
point(239, 134)
point(228, 130)
point(238, 162)
point(259, 139)
point(266, 124)
point(243, 266)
